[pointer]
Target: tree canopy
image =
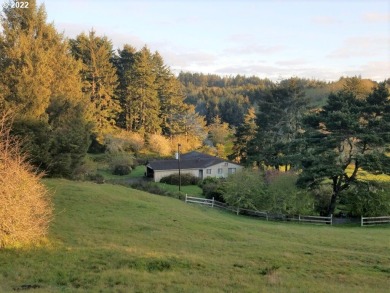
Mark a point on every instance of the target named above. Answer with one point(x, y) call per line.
point(349, 134)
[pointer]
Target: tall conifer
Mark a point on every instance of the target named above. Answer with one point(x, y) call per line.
point(99, 78)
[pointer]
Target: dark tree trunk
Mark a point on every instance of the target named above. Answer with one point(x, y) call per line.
point(332, 204)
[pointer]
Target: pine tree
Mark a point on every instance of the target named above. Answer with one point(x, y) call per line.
point(142, 98)
point(279, 124)
point(349, 132)
point(172, 106)
point(37, 71)
point(244, 134)
point(28, 49)
point(124, 63)
point(99, 78)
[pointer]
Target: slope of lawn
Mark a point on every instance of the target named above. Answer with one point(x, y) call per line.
point(109, 238)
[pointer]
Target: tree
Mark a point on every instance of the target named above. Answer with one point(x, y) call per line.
point(99, 79)
point(347, 133)
point(245, 189)
point(244, 134)
point(25, 205)
point(123, 63)
point(40, 82)
point(172, 106)
point(219, 131)
point(142, 98)
point(279, 124)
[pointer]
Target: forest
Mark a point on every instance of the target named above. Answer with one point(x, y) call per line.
point(73, 97)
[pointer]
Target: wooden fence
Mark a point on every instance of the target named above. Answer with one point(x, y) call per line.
point(260, 214)
point(369, 221)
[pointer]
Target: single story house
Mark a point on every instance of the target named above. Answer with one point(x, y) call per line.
point(195, 163)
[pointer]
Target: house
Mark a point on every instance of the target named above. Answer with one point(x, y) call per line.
point(195, 163)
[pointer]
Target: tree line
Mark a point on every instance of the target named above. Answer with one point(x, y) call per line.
point(68, 96)
point(78, 95)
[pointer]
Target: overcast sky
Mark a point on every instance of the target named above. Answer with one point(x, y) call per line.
point(275, 39)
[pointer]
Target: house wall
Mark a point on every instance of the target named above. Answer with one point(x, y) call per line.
point(214, 171)
point(221, 170)
point(160, 174)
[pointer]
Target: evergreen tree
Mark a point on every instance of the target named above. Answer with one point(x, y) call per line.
point(28, 48)
point(99, 78)
point(142, 99)
point(348, 132)
point(124, 63)
point(279, 125)
point(244, 134)
point(172, 107)
point(37, 71)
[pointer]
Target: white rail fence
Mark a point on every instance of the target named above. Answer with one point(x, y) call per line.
point(369, 221)
point(260, 214)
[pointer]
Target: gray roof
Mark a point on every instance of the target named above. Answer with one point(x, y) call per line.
point(192, 160)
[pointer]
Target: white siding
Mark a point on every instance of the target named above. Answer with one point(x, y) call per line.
point(160, 174)
point(225, 166)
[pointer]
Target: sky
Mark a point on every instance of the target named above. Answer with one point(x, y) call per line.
point(273, 39)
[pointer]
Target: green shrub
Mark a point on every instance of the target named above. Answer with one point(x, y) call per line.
point(97, 178)
point(369, 199)
point(284, 197)
point(121, 170)
point(212, 188)
point(152, 187)
point(186, 179)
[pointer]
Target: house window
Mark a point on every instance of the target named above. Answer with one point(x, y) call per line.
point(208, 171)
point(231, 170)
point(226, 164)
point(220, 171)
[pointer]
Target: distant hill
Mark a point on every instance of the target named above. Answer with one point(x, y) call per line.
point(230, 97)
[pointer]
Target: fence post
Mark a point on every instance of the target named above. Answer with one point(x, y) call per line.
point(238, 211)
point(361, 221)
point(299, 218)
point(186, 197)
point(266, 216)
point(331, 219)
point(212, 203)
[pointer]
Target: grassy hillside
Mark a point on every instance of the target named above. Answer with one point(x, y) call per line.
point(109, 238)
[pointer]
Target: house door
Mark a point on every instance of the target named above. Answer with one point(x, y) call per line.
point(200, 174)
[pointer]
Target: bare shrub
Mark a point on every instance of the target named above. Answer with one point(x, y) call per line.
point(25, 206)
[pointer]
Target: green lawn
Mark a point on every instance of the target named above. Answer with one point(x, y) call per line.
point(109, 238)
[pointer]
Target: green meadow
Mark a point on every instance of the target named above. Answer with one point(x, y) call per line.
point(109, 238)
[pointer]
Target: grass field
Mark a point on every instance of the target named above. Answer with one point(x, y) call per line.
point(108, 238)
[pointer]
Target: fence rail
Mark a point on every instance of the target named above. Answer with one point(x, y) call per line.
point(260, 214)
point(367, 221)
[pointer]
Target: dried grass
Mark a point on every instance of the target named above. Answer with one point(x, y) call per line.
point(25, 205)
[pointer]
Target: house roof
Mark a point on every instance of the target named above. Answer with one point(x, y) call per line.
point(192, 160)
